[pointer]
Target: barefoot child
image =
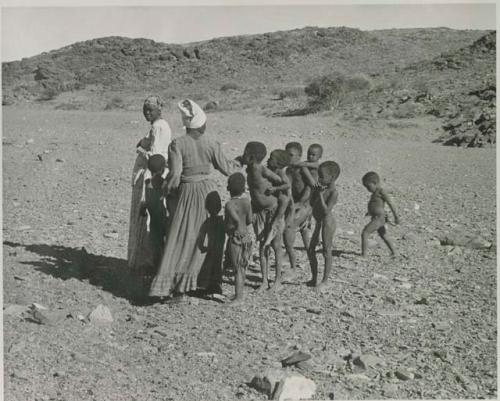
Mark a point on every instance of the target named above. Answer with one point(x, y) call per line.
point(238, 215)
point(212, 230)
point(300, 219)
point(323, 198)
point(278, 161)
point(376, 210)
point(259, 179)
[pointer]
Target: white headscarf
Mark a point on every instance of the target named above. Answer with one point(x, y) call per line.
point(193, 115)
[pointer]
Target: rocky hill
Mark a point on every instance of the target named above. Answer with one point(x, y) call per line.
point(408, 72)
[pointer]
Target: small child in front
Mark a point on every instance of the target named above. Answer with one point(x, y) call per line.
point(238, 215)
point(376, 210)
point(323, 198)
point(264, 206)
point(212, 231)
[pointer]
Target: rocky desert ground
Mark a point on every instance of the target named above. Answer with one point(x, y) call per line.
point(419, 326)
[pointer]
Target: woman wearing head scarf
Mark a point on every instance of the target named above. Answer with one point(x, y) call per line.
point(191, 158)
point(140, 254)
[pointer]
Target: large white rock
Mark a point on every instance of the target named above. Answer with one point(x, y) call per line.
point(101, 315)
point(267, 382)
point(295, 387)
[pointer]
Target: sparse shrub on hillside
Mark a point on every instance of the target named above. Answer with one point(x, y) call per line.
point(48, 93)
point(211, 106)
point(230, 86)
point(115, 103)
point(329, 91)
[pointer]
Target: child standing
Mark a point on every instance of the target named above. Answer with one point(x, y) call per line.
point(300, 219)
point(277, 162)
point(323, 198)
point(376, 210)
point(310, 167)
point(238, 215)
point(212, 231)
point(260, 179)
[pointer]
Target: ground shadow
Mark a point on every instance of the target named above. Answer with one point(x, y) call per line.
point(108, 273)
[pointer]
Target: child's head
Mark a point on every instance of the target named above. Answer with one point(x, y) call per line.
point(236, 184)
point(314, 152)
point(278, 159)
point(213, 203)
point(254, 152)
point(152, 108)
point(371, 181)
point(295, 151)
point(156, 164)
point(328, 172)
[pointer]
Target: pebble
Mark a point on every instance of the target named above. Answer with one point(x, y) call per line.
point(101, 315)
point(60, 160)
point(111, 235)
point(30, 141)
point(404, 375)
point(296, 387)
point(366, 361)
point(422, 301)
point(295, 358)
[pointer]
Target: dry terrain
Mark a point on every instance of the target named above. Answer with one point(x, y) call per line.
point(426, 321)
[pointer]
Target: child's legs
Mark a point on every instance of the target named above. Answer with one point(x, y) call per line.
point(311, 251)
point(383, 234)
point(289, 240)
point(374, 224)
point(235, 251)
point(327, 232)
point(263, 256)
point(277, 245)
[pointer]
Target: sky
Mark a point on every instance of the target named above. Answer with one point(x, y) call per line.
point(29, 30)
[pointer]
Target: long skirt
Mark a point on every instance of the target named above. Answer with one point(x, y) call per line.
point(139, 249)
point(182, 259)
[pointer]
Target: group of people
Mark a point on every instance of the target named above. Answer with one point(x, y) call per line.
point(177, 239)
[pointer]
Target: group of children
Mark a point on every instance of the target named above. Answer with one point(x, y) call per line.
point(286, 196)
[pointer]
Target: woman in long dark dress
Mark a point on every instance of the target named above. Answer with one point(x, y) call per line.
point(191, 158)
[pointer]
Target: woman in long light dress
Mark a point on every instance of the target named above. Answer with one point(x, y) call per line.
point(191, 159)
point(140, 255)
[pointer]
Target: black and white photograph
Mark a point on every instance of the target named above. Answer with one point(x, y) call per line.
point(249, 201)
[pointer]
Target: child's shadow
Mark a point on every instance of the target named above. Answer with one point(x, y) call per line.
point(252, 276)
point(108, 273)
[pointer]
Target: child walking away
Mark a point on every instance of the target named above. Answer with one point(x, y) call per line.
point(323, 198)
point(277, 162)
point(238, 215)
point(212, 233)
point(376, 210)
point(155, 206)
point(264, 206)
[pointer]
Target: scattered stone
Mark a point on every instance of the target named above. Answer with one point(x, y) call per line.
point(371, 243)
point(60, 160)
point(422, 301)
point(44, 316)
point(441, 326)
point(406, 286)
point(20, 278)
point(295, 387)
point(366, 361)
point(113, 235)
point(101, 315)
point(347, 314)
point(404, 375)
point(316, 311)
point(30, 141)
point(410, 236)
point(295, 359)
point(206, 354)
point(267, 382)
point(358, 377)
point(194, 301)
point(22, 228)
